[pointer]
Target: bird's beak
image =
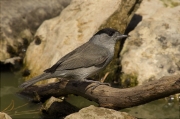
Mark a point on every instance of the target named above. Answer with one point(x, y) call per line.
point(120, 36)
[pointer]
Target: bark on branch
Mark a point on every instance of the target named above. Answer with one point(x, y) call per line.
point(107, 96)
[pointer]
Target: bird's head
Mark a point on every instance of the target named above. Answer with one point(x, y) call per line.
point(108, 35)
point(112, 33)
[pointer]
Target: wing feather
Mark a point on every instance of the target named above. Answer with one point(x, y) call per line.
point(86, 55)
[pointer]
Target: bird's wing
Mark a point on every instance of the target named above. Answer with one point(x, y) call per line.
point(86, 55)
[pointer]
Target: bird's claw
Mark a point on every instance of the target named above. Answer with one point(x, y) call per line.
point(97, 84)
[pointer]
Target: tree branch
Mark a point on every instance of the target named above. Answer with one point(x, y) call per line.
point(107, 96)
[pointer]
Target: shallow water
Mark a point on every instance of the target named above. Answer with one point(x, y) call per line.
point(158, 109)
point(13, 104)
point(19, 107)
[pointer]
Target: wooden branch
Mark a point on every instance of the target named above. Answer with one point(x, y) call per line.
point(107, 96)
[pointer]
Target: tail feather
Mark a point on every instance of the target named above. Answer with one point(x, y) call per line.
point(35, 79)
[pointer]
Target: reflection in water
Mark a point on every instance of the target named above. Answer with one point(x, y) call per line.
point(19, 107)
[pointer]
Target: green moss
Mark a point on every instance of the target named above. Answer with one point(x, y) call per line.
point(170, 3)
point(128, 80)
point(174, 4)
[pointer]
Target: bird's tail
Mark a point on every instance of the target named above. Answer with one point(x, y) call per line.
point(35, 79)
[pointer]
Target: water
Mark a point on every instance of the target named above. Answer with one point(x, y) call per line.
point(158, 109)
point(20, 107)
point(11, 103)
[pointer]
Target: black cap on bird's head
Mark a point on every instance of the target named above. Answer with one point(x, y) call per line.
point(111, 32)
point(108, 31)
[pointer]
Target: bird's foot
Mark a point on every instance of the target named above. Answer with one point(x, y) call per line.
point(97, 83)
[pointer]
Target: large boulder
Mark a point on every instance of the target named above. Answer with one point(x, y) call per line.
point(19, 22)
point(153, 50)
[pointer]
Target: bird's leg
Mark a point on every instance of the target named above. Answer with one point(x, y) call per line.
point(97, 83)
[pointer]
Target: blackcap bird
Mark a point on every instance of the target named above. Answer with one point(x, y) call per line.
point(85, 61)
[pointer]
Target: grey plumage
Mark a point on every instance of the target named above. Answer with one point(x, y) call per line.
point(85, 60)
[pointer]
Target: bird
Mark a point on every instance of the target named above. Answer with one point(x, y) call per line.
point(84, 61)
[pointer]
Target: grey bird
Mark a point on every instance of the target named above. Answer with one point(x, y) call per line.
point(85, 61)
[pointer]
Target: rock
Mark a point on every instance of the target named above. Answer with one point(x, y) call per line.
point(60, 35)
point(20, 20)
point(93, 112)
point(4, 116)
point(57, 108)
point(153, 50)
